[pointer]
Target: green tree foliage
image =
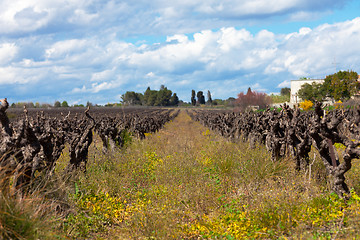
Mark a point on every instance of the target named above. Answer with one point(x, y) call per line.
point(312, 92)
point(163, 97)
point(342, 85)
point(146, 96)
point(230, 102)
point(200, 97)
point(283, 97)
point(209, 99)
point(193, 99)
point(79, 105)
point(132, 98)
point(149, 97)
point(252, 98)
point(64, 104)
point(22, 104)
point(57, 104)
point(152, 98)
point(218, 102)
point(174, 100)
point(285, 91)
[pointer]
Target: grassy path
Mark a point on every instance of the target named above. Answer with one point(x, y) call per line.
point(172, 171)
point(185, 182)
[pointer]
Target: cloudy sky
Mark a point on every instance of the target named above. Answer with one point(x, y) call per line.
point(96, 50)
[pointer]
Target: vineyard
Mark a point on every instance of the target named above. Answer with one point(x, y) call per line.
point(34, 144)
point(157, 173)
point(290, 132)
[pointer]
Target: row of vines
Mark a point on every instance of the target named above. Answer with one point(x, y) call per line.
point(32, 142)
point(291, 132)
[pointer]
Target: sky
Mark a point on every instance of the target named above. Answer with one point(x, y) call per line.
point(96, 50)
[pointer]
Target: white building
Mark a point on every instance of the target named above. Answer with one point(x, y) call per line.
point(295, 87)
point(357, 95)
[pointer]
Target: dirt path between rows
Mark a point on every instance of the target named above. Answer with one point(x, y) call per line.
point(177, 177)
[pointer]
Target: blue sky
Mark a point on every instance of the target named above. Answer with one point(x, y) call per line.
point(96, 50)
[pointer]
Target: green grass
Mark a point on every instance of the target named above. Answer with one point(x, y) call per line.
point(279, 98)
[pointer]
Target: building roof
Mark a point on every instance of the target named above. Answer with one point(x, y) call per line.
point(311, 80)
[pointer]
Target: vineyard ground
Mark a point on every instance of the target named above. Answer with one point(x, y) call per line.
point(186, 182)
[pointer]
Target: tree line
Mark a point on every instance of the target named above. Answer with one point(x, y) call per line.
point(57, 104)
point(162, 97)
point(244, 100)
point(199, 98)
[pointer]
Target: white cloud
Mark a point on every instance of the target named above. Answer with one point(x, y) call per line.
point(13, 75)
point(7, 52)
point(130, 17)
point(283, 84)
point(304, 31)
point(61, 49)
point(232, 39)
point(241, 8)
point(18, 15)
point(79, 90)
point(307, 16)
point(171, 56)
point(313, 51)
point(8, 76)
point(181, 38)
point(150, 75)
point(104, 75)
point(100, 87)
point(25, 16)
point(81, 17)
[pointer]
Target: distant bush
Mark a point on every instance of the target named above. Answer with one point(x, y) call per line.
point(252, 98)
